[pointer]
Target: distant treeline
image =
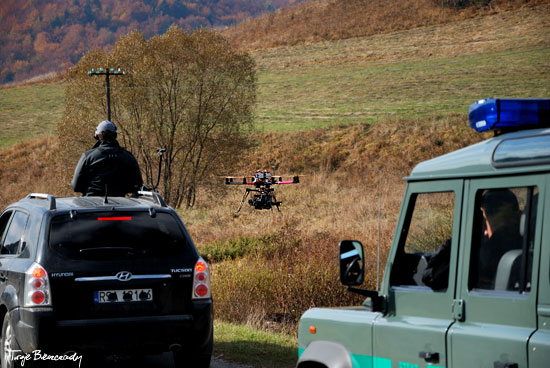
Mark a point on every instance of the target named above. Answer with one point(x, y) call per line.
point(40, 36)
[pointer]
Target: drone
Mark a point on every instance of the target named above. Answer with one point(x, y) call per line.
point(264, 196)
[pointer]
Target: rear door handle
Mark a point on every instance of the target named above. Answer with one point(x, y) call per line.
point(429, 357)
point(498, 364)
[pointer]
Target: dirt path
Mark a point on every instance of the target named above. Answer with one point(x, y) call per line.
point(165, 360)
point(218, 362)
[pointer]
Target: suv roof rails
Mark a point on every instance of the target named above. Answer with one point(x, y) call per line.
point(49, 197)
point(155, 197)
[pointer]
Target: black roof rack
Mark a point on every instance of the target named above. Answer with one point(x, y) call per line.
point(49, 197)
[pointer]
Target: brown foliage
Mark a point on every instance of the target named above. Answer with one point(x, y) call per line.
point(76, 26)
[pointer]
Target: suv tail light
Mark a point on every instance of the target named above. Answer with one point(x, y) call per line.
point(201, 280)
point(37, 287)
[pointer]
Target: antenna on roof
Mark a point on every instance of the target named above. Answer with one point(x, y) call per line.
point(160, 151)
point(105, 200)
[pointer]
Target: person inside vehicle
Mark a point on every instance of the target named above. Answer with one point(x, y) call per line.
point(500, 224)
point(501, 219)
point(107, 168)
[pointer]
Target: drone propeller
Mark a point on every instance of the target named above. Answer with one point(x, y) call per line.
point(250, 180)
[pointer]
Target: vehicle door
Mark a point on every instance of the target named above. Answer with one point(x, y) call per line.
point(5, 219)
point(421, 268)
point(539, 343)
point(496, 308)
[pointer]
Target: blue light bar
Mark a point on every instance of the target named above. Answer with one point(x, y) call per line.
point(509, 114)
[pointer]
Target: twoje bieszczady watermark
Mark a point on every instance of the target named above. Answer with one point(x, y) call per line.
point(39, 356)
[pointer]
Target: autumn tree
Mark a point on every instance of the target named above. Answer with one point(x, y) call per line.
point(189, 93)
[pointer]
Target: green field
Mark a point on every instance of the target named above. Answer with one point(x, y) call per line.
point(428, 71)
point(255, 347)
point(29, 111)
point(343, 94)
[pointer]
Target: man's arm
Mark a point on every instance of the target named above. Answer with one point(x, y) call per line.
point(78, 178)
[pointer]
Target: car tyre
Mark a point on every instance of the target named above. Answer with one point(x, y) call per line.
point(9, 346)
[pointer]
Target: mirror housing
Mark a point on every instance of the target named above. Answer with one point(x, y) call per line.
point(351, 259)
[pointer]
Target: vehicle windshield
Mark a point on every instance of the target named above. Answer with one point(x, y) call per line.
point(114, 235)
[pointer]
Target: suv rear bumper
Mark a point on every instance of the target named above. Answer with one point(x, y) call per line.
point(37, 329)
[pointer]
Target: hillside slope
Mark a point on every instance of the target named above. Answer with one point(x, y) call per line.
point(322, 20)
point(422, 72)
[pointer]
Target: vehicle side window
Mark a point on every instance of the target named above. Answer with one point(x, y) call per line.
point(4, 220)
point(14, 233)
point(423, 259)
point(502, 244)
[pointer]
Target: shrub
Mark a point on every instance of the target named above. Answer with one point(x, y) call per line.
point(273, 292)
point(230, 249)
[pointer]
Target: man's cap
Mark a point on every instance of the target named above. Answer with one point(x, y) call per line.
point(105, 126)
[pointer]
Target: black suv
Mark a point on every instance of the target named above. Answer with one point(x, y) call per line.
point(101, 276)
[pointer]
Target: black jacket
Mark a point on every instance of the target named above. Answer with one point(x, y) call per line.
point(107, 165)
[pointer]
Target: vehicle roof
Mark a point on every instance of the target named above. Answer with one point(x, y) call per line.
point(477, 160)
point(38, 203)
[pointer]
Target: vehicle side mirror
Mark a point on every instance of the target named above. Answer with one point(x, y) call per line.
point(351, 258)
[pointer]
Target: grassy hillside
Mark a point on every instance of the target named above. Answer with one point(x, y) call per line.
point(426, 71)
point(29, 111)
point(325, 20)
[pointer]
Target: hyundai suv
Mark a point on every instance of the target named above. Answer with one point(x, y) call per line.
point(101, 276)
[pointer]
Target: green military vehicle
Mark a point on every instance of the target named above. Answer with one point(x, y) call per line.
point(467, 281)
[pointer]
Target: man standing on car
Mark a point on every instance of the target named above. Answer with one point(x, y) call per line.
point(107, 169)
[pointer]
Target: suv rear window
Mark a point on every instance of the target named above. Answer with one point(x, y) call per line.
point(109, 235)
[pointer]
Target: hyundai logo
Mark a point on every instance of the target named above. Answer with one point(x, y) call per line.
point(124, 276)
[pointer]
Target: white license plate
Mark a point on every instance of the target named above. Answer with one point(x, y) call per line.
point(123, 296)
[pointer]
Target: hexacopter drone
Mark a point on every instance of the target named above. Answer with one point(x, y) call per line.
point(262, 181)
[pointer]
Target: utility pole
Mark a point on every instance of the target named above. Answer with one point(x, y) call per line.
point(107, 72)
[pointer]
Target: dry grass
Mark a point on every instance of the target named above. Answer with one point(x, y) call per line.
point(32, 166)
point(322, 20)
point(352, 187)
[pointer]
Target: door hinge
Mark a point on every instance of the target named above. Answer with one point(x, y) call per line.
point(458, 309)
